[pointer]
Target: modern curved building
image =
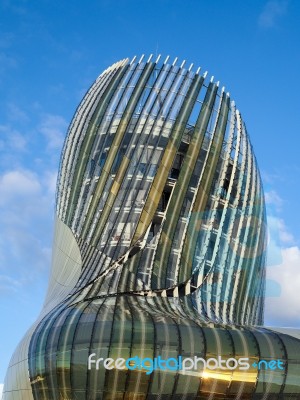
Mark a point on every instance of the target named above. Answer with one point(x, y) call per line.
point(158, 275)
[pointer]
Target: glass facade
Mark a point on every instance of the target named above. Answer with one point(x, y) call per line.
point(159, 251)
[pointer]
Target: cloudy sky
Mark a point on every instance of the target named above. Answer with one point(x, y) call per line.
point(51, 52)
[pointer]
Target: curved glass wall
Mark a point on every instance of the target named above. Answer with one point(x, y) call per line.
point(159, 251)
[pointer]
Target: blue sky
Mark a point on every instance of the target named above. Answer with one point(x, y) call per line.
point(51, 52)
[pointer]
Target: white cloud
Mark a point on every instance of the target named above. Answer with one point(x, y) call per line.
point(17, 141)
point(16, 114)
point(49, 181)
point(20, 184)
point(271, 177)
point(8, 284)
point(279, 231)
point(26, 212)
point(1, 390)
point(54, 128)
point(273, 9)
point(14, 140)
point(279, 236)
point(284, 308)
point(273, 198)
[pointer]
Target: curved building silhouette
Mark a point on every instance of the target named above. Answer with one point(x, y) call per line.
point(158, 253)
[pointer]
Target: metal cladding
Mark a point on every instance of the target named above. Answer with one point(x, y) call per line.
point(159, 248)
point(158, 182)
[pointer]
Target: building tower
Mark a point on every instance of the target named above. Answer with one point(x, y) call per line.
point(159, 250)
